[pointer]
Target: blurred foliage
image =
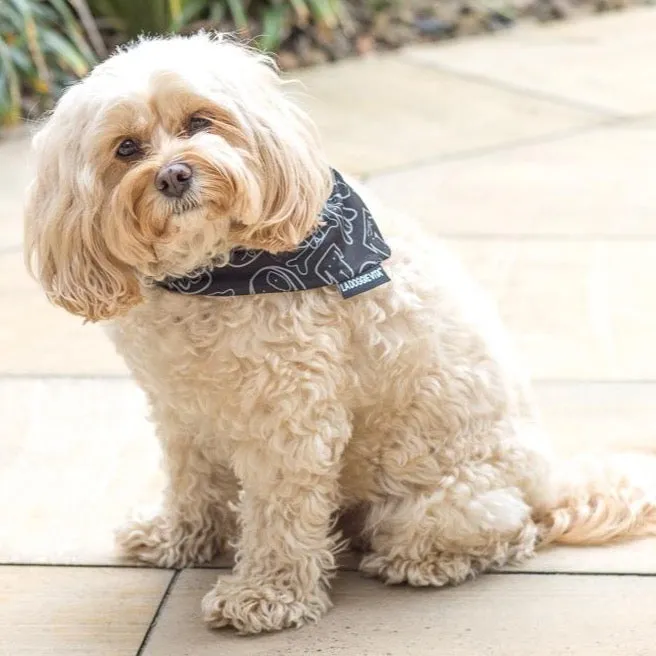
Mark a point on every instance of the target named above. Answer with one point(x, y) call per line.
point(266, 21)
point(43, 46)
point(129, 18)
point(46, 44)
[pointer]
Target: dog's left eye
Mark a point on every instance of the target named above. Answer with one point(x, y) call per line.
point(197, 124)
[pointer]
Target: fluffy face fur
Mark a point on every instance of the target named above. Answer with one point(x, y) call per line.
point(259, 178)
point(400, 410)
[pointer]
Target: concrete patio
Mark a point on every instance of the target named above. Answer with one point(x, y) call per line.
point(533, 154)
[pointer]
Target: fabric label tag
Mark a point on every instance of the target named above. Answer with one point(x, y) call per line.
point(363, 283)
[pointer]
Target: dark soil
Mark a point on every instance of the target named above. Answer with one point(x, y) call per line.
point(375, 25)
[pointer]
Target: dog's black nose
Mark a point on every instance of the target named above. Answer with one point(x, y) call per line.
point(174, 179)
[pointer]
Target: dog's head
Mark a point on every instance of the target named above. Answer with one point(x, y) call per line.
point(169, 154)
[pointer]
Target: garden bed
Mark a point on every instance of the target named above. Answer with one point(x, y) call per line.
point(365, 27)
point(46, 44)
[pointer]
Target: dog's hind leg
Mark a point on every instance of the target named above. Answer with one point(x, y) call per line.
point(195, 521)
point(424, 542)
point(453, 509)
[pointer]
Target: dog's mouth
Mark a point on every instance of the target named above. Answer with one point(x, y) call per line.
point(184, 206)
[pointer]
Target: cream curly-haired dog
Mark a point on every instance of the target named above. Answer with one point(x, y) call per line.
point(400, 408)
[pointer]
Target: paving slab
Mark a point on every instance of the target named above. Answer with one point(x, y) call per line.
point(38, 338)
point(499, 615)
point(577, 310)
point(77, 457)
point(598, 417)
point(591, 184)
point(16, 174)
point(77, 611)
point(91, 457)
point(379, 113)
point(588, 62)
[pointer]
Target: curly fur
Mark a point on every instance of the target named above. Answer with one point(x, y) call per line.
point(401, 408)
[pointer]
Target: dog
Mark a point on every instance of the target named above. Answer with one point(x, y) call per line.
point(380, 402)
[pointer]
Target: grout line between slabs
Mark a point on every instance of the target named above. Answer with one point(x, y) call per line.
point(126, 378)
point(344, 568)
point(483, 151)
point(570, 573)
point(516, 89)
point(55, 377)
point(85, 566)
point(593, 381)
point(127, 566)
point(546, 237)
point(158, 611)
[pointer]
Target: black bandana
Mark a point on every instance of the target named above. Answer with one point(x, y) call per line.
point(346, 250)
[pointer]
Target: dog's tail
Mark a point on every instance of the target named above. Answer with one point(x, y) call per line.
point(599, 499)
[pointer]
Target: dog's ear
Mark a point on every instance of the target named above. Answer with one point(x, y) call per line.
point(296, 180)
point(64, 245)
point(295, 177)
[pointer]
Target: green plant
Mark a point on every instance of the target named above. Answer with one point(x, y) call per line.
point(133, 17)
point(42, 48)
point(274, 17)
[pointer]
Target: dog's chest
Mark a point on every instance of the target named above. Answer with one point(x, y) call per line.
point(202, 351)
point(182, 348)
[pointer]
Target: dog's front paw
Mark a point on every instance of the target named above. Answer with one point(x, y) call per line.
point(254, 608)
point(161, 542)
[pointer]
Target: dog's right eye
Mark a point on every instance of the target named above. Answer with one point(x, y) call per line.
point(198, 123)
point(128, 148)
